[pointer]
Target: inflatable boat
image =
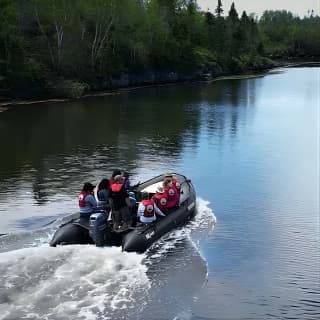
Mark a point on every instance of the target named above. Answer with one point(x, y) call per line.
point(98, 229)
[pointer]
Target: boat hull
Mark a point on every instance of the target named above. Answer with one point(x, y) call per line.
point(143, 237)
point(71, 233)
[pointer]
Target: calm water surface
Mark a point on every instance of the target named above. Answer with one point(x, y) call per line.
point(251, 148)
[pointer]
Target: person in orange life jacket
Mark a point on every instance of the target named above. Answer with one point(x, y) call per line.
point(103, 194)
point(116, 172)
point(171, 193)
point(148, 209)
point(160, 198)
point(120, 204)
point(87, 201)
point(176, 184)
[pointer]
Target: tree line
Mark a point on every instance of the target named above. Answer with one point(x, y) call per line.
point(47, 46)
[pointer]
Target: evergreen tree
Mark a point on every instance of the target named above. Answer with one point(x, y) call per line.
point(219, 9)
point(233, 14)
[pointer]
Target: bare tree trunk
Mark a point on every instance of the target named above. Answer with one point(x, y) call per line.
point(45, 35)
point(101, 38)
point(59, 34)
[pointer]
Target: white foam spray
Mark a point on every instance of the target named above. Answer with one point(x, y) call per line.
point(66, 282)
point(203, 222)
point(83, 281)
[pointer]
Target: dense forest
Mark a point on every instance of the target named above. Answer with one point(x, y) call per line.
point(67, 47)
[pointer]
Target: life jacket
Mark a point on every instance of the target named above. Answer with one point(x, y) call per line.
point(112, 181)
point(161, 200)
point(177, 185)
point(148, 208)
point(82, 198)
point(116, 187)
point(171, 192)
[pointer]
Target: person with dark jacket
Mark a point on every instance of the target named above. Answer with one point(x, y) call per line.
point(120, 204)
point(126, 180)
point(103, 193)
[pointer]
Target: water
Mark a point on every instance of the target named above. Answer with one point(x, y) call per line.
point(251, 148)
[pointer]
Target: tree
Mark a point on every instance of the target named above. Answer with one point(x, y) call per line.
point(233, 14)
point(10, 46)
point(233, 31)
point(219, 9)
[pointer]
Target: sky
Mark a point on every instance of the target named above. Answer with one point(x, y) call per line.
point(298, 7)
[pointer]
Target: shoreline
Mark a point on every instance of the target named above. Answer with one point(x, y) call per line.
point(243, 75)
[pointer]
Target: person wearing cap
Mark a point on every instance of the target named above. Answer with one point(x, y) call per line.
point(120, 204)
point(160, 198)
point(87, 201)
point(148, 209)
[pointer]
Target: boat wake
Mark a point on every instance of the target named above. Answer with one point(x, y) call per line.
point(69, 282)
point(202, 224)
point(83, 281)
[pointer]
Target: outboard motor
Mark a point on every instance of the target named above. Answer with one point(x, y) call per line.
point(99, 229)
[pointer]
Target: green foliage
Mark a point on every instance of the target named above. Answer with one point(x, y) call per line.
point(45, 43)
point(70, 89)
point(286, 35)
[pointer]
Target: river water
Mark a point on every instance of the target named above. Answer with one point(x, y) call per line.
point(251, 148)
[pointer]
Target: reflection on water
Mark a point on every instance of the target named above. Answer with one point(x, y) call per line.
point(51, 149)
point(251, 148)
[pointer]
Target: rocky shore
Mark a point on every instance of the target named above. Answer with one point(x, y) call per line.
point(69, 89)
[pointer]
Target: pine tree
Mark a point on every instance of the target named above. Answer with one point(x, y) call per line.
point(219, 9)
point(233, 14)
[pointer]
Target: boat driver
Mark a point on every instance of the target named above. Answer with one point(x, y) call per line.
point(120, 204)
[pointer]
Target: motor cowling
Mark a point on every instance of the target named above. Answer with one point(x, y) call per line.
point(99, 229)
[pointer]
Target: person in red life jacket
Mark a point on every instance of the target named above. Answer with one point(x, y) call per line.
point(171, 193)
point(148, 209)
point(87, 201)
point(120, 204)
point(160, 198)
point(176, 184)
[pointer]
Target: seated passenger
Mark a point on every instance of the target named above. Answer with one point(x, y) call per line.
point(171, 193)
point(160, 198)
point(176, 184)
point(103, 194)
point(147, 210)
point(87, 201)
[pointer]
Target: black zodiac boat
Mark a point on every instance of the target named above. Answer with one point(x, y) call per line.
point(99, 230)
